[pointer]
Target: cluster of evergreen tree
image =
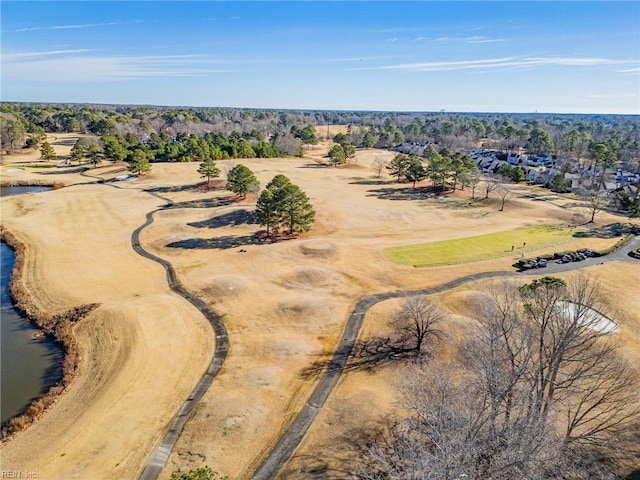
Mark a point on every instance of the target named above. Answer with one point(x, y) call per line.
point(342, 150)
point(568, 136)
point(185, 148)
point(514, 173)
point(284, 207)
point(445, 169)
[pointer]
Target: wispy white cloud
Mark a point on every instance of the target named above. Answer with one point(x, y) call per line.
point(502, 63)
point(474, 39)
point(420, 39)
point(68, 27)
point(25, 55)
point(483, 40)
point(366, 58)
point(71, 67)
point(630, 70)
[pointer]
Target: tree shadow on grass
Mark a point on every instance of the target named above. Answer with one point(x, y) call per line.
point(218, 243)
point(365, 355)
point(212, 186)
point(231, 219)
point(203, 203)
point(331, 463)
point(371, 182)
point(397, 193)
point(66, 142)
point(611, 230)
point(316, 165)
point(62, 171)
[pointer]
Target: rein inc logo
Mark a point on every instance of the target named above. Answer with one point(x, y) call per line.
point(17, 474)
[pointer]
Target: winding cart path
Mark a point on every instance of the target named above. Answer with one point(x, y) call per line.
point(158, 459)
point(289, 441)
point(284, 449)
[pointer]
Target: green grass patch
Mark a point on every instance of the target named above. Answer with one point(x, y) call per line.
point(481, 247)
point(37, 165)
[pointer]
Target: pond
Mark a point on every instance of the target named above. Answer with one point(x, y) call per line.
point(29, 363)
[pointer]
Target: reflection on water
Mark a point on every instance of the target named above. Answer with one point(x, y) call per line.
point(29, 364)
point(6, 191)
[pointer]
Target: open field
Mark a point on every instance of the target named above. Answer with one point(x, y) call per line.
point(284, 305)
point(482, 247)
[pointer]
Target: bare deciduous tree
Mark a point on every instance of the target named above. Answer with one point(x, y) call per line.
point(417, 320)
point(490, 184)
point(594, 203)
point(378, 166)
point(474, 178)
point(505, 195)
point(539, 393)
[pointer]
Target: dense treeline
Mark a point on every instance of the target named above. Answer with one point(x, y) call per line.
point(571, 136)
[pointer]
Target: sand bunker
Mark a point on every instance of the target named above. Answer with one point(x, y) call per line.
point(289, 347)
point(263, 376)
point(306, 307)
point(226, 286)
point(313, 277)
point(318, 248)
point(588, 317)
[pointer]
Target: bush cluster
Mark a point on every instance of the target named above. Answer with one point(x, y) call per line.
point(525, 263)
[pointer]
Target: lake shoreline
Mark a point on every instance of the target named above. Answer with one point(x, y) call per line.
point(59, 327)
point(32, 183)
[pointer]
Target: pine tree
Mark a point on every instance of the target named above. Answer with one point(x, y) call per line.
point(95, 153)
point(140, 163)
point(398, 166)
point(209, 169)
point(415, 171)
point(296, 212)
point(241, 180)
point(284, 204)
point(267, 211)
point(80, 149)
point(337, 155)
point(47, 151)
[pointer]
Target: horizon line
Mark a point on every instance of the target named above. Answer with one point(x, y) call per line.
point(345, 110)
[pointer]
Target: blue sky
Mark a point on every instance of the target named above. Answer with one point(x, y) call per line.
point(509, 56)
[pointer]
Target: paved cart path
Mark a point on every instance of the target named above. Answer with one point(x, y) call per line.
point(284, 449)
point(289, 441)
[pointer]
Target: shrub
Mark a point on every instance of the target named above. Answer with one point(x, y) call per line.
point(525, 263)
point(620, 243)
point(200, 473)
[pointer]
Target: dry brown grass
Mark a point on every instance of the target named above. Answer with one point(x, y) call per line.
point(284, 305)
